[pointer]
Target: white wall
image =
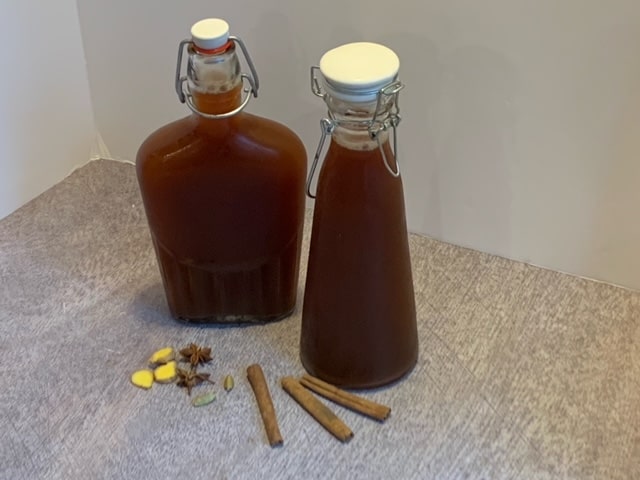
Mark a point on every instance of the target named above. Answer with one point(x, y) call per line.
point(46, 120)
point(521, 131)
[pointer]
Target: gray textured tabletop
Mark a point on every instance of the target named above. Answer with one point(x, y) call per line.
point(523, 373)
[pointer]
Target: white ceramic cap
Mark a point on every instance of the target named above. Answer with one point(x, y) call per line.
point(355, 72)
point(210, 33)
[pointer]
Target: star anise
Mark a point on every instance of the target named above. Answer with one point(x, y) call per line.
point(196, 355)
point(190, 378)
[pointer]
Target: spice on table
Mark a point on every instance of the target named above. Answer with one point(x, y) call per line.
point(317, 409)
point(165, 373)
point(196, 355)
point(190, 378)
point(228, 383)
point(142, 379)
point(162, 356)
point(203, 399)
point(353, 402)
point(265, 404)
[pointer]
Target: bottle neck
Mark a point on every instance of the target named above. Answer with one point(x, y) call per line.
point(353, 122)
point(214, 80)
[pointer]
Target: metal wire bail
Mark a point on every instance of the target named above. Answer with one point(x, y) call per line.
point(250, 90)
point(391, 121)
point(327, 126)
point(315, 84)
point(374, 126)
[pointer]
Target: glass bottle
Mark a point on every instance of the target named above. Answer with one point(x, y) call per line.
point(359, 317)
point(223, 191)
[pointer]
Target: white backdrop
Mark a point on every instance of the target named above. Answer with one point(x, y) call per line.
point(46, 121)
point(521, 131)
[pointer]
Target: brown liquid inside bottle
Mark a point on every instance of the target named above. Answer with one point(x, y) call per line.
point(358, 324)
point(224, 200)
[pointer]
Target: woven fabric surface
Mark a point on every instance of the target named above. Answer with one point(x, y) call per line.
point(523, 373)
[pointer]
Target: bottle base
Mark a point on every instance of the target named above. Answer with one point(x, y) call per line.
point(362, 383)
point(233, 320)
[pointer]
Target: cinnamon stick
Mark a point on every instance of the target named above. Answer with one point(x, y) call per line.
point(353, 402)
point(265, 404)
point(317, 409)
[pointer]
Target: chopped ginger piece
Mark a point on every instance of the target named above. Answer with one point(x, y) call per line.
point(142, 378)
point(162, 356)
point(165, 373)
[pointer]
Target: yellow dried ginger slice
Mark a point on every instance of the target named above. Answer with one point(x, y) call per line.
point(142, 379)
point(165, 373)
point(162, 356)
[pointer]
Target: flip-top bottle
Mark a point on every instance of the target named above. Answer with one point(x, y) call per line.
point(359, 316)
point(223, 191)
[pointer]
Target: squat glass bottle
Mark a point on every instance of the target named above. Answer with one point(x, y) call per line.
point(359, 317)
point(223, 192)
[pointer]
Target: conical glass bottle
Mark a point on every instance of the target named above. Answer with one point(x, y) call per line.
point(223, 191)
point(359, 318)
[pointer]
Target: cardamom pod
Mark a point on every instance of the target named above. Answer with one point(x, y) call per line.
point(203, 399)
point(228, 383)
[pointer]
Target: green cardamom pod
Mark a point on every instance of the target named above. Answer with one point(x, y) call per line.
point(228, 383)
point(203, 399)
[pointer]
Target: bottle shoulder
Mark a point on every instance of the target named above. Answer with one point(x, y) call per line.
point(244, 134)
point(166, 139)
point(267, 131)
point(243, 122)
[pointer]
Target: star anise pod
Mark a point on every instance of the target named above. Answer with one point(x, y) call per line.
point(196, 355)
point(190, 378)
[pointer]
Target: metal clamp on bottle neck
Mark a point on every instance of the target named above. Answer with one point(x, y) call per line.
point(185, 96)
point(381, 121)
